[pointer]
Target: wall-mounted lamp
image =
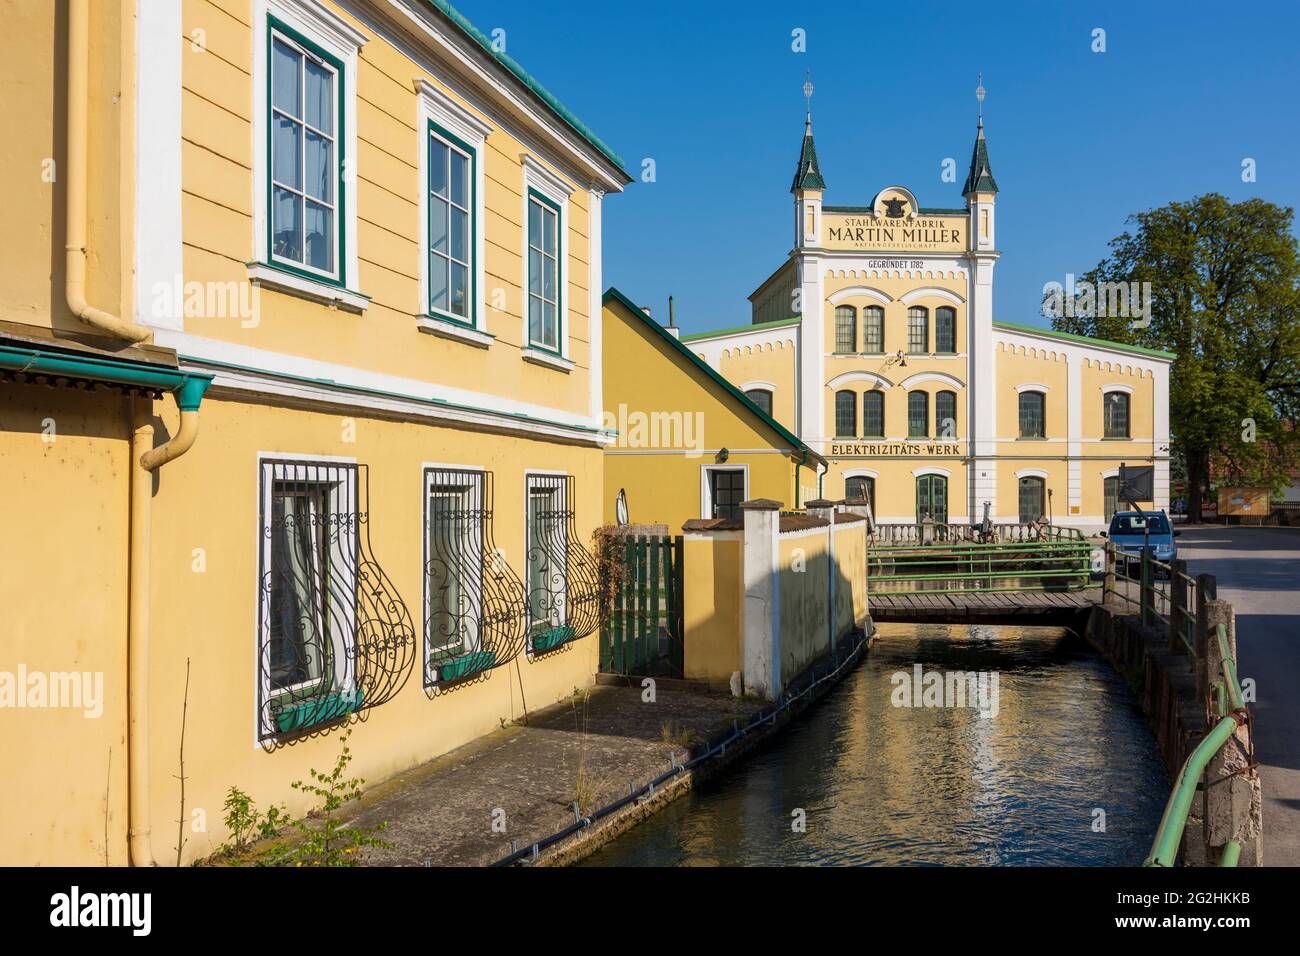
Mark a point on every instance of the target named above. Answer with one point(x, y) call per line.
point(896, 359)
point(722, 456)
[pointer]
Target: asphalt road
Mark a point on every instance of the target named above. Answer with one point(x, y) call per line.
point(1258, 571)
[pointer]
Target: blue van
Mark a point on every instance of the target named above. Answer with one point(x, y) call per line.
point(1133, 530)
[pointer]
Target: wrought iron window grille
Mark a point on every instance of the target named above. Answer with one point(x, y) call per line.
point(562, 579)
point(334, 636)
point(474, 601)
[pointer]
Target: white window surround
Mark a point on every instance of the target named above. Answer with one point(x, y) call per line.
point(848, 378)
point(1032, 473)
point(859, 473)
point(706, 485)
point(1126, 389)
point(1030, 387)
point(931, 470)
point(864, 291)
point(934, 291)
point(437, 107)
point(557, 189)
point(763, 386)
point(921, 378)
point(343, 41)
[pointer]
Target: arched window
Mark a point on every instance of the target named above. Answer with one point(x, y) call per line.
point(846, 414)
point(1032, 499)
point(945, 415)
point(846, 328)
point(932, 498)
point(945, 329)
point(1033, 417)
point(873, 414)
point(762, 397)
point(918, 414)
point(860, 488)
point(873, 329)
point(1115, 414)
point(1110, 495)
point(918, 329)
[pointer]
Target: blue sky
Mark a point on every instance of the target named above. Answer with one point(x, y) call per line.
point(1078, 140)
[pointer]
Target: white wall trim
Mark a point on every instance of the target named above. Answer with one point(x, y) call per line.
point(859, 473)
point(595, 305)
point(931, 470)
point(1115, 387)
point(764, 386)
point(1032, 473)
point(1032, 387)
point(706, 492)
point(553, 187)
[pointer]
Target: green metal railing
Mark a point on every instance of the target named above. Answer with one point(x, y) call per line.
point(944, 559)
point(1169, 835)
point(1161, 592)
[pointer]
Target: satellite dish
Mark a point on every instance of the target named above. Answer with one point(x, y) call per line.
point(620, 508)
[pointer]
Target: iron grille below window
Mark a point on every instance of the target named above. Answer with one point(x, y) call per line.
point(473, 600)
point(334, 635)
point(563, 596)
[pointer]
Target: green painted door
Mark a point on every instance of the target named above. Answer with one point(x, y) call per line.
point(932, 498)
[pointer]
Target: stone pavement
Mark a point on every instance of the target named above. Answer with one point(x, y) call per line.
point(441, 813)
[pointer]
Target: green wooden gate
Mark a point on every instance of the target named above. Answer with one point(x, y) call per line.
point(643, 634)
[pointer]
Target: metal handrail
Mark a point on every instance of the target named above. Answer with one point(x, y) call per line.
point(971, 567)
point(1169, 835)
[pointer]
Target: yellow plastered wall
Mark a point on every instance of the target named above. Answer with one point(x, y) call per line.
point(772, 362)
point(33, 155)
point(712, 607)
point(208, 500)
point(644, 375)
point(63, 588)
point(1032, 366)
point(218, 209)
point(893, 287)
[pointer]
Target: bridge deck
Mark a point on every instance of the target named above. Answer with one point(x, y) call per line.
point(954, 608)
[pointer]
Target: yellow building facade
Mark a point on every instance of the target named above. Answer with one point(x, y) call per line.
point(300, 406)
point(688, 444)
point(876, 342)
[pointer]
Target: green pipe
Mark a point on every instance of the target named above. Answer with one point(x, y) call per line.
point(1170, 832)
point(187, 386)
point(1231, 853)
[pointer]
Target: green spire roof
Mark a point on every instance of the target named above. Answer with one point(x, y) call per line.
point(809, 174)
point(980, 178)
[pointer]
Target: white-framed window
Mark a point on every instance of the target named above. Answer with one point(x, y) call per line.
point(453, 566)
point(304, 156)
point(722, 490)
point(307, 596)
point(545, 269)
point(546, 548)
point(451, 208)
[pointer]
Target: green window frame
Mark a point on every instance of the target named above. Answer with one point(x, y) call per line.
point(945, 410)
point(945, 330)
point(762, 397)
point(1033, 414)
point(1115, 414)
point(873, 330)
point(873, 414)
point(918, 414)
point(294, 191)
point(451, 198)
point(846, 329)
point(932, 498)
point(545, 228)
point(1032, 499)
point(846, 414)
point(918, 330)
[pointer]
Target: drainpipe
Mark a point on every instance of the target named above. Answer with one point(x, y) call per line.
point(78, 134)
point(145, 460)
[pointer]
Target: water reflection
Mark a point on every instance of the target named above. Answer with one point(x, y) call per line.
point(935, 785)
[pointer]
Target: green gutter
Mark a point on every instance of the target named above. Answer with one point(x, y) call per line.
point(755, 327)
point(1169, 835)
point(613, 295)
point(523, 76)
point(188, 387)
point(1085, 339)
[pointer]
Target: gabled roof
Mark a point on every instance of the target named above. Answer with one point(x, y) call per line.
point(736, 395)
point(548, 99)
point(980, 178)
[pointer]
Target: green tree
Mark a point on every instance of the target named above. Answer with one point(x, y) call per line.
point(1225, 292)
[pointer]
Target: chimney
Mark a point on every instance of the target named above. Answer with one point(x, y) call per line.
point(672, 328)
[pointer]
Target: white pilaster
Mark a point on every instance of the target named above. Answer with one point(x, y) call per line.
point(812, 357)
point(595, 295)
point(1074, 432)
point(982, 388)
point(761, 638)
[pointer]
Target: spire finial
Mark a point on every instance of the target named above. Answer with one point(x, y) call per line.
point(807, 95)
point(979, 95)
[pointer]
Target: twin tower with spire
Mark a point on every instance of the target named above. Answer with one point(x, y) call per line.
point(892, 204)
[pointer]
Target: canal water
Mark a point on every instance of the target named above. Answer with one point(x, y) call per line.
point(1061, 771)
